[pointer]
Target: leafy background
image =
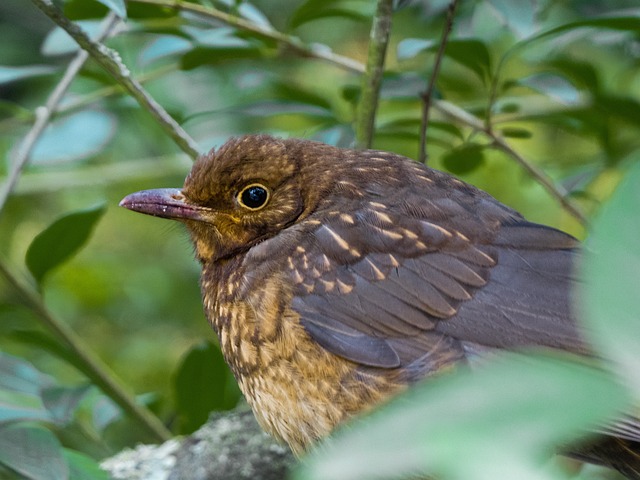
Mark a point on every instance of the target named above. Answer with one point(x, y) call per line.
point(549, 87)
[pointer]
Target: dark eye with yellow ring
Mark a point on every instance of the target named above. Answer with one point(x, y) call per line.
point(254, 196)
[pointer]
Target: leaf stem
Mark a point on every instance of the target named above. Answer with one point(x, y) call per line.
point(428, 93)
point(93, 367)
point(372, 79)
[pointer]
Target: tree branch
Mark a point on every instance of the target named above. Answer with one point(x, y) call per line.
point(111, 62)
point(538, 175)
point(43, 114)
point(291, 42)
point(428, 94)
point(378, 41)
point(94, 368)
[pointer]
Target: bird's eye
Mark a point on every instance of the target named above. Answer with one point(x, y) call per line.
point(254, 196)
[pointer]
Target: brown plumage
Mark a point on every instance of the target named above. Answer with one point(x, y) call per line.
point(335, 278)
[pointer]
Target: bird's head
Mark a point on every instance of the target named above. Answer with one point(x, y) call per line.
point(245, 192)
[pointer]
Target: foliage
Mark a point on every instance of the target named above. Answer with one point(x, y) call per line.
point(536, 102)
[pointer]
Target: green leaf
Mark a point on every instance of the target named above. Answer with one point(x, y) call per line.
point(44, 342)
point(554, 86)
point(626, 23)
point(464, 159)
point(410, 47)
point(513, 132)
point(16, 406)
point(82, 467)
point(502, 420)
point(61, 240)
point(610, 296)
point(105, 412)
point(518, 15)
point(63, 402)
point(19, 375)
point(200, 385)
point(77, 136)
point(316, 9)
point(11, 74)
point(117, 6)
point(162, 47)
point(58, 42)
point(33, 452)
point(470, 53)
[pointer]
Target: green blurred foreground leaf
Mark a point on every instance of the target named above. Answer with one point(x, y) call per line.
point(62, 239)
point(611, 290)
point(202, 385)
point(33, 452)
point(501, 421)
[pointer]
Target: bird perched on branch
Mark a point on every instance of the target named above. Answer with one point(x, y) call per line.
point(336, 278)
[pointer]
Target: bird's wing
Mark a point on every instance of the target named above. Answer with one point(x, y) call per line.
point(384, 289)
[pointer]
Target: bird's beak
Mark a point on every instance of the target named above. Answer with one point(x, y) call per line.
point(162, 202)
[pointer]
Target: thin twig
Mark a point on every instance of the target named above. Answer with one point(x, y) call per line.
point(44, 113)
point(538, 175)
point(294, 44)
point(368, 104)
point(111, 62)
point(101, 375)
point(428, 94)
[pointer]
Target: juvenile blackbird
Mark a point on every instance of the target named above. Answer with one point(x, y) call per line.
point(336, 278)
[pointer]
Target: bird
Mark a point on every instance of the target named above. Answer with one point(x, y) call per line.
point(337, 278)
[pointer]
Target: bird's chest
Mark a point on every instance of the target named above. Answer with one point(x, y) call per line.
point(298, 391)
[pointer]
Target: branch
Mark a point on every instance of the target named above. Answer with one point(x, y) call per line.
point(21, 155)
point(293, 43)
point(95, 368)
point(379, 39)
point(538, 175)
point(428, 94)
point(111, 62)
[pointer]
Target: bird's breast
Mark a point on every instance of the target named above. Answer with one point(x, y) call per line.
point(298, 391)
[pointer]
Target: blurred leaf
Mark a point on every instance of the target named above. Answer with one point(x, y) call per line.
point(33, 452)
point(464, 159)
point(470, 53)
point(82, 467)
point(16, 406)
point(44, 342)
point(513, 132)
point(630, 22)
point(610, 296)
point(58, 42)
point(296, 93)
point(162, 47)
point(11, 74)
point(254, 15)
point(316, 9)
point(215, 55)
point(77, 136)
point(200, 384)
point(518, 15)
point(105, 412)
point(504, 420)
point(272, 108)
point(118, 7)
point(410, 47)
point(61, 240)
point(62, 402)
point(20, 376)
point(552, 85)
